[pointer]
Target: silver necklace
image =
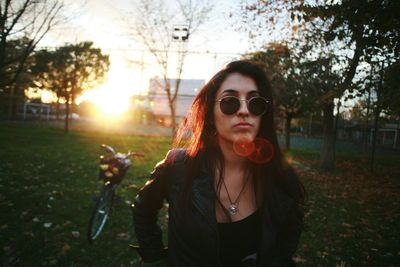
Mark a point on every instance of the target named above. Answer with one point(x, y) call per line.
point(233, 206)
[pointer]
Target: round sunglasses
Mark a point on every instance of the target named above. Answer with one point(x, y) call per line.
point(257, 106)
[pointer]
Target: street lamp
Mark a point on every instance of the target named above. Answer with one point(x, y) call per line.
point(181, 33)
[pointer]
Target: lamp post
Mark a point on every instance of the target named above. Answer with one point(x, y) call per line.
point(181, 35)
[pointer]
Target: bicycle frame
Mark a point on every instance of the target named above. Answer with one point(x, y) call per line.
point(112, 172)
point(113, 169)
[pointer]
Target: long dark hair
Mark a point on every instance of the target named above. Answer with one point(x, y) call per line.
point(200, 124)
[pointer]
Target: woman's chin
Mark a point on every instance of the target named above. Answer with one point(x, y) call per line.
point(244, 146)
point(243, 137)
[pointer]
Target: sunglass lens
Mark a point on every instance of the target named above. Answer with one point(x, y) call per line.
point(257, 106)
point(229, 105)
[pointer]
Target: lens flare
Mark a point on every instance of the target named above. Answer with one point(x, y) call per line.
point(243, 147)
point(263, 151)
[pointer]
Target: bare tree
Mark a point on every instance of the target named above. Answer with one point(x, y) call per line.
point(161, 29)
point(28, 20)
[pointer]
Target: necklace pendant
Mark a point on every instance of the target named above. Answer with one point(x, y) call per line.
point(232, 209)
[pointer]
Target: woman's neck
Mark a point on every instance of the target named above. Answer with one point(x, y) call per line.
point(231, 159)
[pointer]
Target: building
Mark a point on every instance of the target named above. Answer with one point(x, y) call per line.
point(158, 100)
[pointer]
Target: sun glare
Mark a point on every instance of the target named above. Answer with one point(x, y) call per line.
point(110, 102)
point(113, 105)
point(112, 98)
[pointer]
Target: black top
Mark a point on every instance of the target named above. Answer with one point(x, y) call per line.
point(193, 238)
point(239, 240)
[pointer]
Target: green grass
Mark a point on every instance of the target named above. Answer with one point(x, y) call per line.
point(48, 177)
point(48, 187)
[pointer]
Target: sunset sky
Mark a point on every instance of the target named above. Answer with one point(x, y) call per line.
point(104, 23)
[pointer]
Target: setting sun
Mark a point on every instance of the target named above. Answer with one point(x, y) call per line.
point(112, 98)
point(110, 102)
point(114, 106)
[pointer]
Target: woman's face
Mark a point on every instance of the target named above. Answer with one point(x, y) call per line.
point(241, 124)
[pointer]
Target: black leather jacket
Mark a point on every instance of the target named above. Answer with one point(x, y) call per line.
point(193, 240)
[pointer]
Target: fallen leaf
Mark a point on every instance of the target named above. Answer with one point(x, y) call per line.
point(347, 225)
point(65, 249)
point(122, 236)
point(75, 234)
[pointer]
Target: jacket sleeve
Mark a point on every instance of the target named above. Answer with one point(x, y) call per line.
point(288, 238)
point(146, 206)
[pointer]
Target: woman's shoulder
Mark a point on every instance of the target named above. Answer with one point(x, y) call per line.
point(173, 156)
point(176, 155)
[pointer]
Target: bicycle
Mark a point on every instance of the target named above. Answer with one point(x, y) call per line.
point(112, 172)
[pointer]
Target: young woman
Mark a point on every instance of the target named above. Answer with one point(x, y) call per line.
point(233, 201)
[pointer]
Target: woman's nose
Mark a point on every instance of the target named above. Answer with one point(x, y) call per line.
point(243, 110)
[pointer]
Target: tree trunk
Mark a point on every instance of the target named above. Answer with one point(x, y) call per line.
point(309, 132)
point(58, 108)
point(335, 131)
point(173, 118)
point(66, 115)
point(396, 139)
point(327, 153)
point(374, 135)
point(366, 127)
point(376, 119)
point(15, 99)
point(287, 131)
point(181, 60)
point(11, 103)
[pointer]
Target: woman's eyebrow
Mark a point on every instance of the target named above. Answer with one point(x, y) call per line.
point(233, 91)
point(254, 92)
point(229, 91)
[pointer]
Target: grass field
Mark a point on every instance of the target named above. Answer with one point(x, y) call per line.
point(48, 186)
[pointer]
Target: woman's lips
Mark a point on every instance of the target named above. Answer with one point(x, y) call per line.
point(243, 125)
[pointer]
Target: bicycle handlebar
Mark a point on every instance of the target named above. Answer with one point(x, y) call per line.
point(135, 154)
point(108, 148)
point(129, 154)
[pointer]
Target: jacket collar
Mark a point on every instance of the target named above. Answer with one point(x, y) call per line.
point(204, 195)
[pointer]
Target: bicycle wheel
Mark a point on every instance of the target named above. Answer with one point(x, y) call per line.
point(100, 212)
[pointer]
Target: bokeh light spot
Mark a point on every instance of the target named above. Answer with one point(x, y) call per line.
point(263, 151)
point(243, 147)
